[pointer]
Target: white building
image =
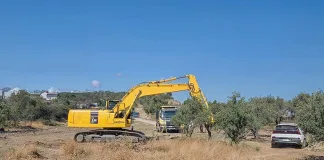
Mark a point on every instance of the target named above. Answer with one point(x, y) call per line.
point(49, 95)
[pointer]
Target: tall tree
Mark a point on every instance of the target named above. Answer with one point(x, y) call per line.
point(310, 113)
point(233, 119)
point(259, 114)
point(191, 115)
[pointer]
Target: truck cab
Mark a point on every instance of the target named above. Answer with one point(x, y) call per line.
point(163, 119)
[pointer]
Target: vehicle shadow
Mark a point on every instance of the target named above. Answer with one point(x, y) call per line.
point(172, 131)
point(282, 146)
point(311, 157)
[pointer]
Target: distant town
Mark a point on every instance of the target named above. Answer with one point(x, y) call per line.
point(49, 94)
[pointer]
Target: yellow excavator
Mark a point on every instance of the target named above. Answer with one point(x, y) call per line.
point(114, 120)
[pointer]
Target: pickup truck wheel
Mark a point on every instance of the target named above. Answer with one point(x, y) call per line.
point(303, 145)
point(273, 145)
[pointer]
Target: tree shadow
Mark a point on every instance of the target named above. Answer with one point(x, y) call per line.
point(20, 129)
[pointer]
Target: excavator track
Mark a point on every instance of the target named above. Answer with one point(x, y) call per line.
point(104, 135)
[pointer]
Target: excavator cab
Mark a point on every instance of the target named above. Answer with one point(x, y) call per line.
point(110, 104)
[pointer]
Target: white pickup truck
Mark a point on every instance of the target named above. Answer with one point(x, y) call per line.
point(288, 133)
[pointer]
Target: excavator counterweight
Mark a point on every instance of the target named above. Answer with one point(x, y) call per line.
point(115, 118)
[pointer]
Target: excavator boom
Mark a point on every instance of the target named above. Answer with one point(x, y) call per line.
point(115, 119)
point(159, 87)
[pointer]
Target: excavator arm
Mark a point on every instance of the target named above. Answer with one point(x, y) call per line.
point(124, 107)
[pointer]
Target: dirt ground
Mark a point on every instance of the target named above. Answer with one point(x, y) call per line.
point(50, 139)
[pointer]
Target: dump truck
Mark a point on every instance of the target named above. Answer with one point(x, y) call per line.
point(163, 119)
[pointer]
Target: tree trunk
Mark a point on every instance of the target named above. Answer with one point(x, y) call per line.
point(201, 128)
point(187, 131)
point(190, 132)
point(208, 130)
point(277, 121)
point(255, 133)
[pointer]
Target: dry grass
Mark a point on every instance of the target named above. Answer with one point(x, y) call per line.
point(32, 124)
point(162, 149)
point(318, 146)
point(37, 124)
point(24, 152)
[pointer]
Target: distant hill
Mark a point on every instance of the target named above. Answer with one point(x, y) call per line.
point(174, 102)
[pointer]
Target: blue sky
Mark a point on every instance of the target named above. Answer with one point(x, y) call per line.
point(254, 47)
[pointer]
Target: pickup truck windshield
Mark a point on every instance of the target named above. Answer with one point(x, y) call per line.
point(286, 129)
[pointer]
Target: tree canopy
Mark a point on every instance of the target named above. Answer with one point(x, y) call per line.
point(239, 116)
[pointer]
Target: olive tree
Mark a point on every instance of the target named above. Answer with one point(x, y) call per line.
point(233, 118)
point(259, 113)
point(191, 115)
point(310, 113)
point(4, 114)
